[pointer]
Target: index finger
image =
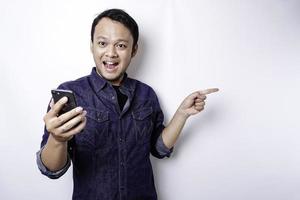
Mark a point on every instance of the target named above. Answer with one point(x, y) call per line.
point(58, 106)
point(209, 91)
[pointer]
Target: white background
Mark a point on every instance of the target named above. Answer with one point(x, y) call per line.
point(244, 145)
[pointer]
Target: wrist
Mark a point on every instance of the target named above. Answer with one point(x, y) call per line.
point(181, 115)
point(56, 143)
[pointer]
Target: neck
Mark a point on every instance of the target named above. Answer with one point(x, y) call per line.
point(116, 82)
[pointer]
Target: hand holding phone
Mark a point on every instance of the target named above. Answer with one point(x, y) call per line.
point(63, 127)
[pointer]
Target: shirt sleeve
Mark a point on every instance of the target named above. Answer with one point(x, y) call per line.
point(158, 148)
point(51, 174)
point(162, 149)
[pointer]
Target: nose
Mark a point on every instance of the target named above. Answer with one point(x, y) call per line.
point(111, 52)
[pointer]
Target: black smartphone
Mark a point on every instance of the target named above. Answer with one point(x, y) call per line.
point(57, 94)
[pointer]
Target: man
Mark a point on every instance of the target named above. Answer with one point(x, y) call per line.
point(118, 123)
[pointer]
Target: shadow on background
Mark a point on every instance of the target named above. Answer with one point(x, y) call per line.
point(135, 68)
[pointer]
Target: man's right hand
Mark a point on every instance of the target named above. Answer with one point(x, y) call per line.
point(64, 127)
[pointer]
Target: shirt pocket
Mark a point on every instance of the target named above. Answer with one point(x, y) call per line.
point(143, 124)
point(96, 131)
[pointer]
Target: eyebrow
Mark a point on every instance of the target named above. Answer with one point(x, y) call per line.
point(105, 38)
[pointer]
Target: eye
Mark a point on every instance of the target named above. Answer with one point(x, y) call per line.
point(121, 46)
point(101, 44)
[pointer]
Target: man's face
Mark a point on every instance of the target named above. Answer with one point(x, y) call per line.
point(112, 49)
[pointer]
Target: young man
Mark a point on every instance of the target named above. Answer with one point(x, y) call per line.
point(118, 123)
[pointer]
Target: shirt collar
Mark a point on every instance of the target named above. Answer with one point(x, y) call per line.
point(98, 82)
point(128, 83)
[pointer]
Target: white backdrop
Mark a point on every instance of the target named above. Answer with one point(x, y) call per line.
point(245, 145)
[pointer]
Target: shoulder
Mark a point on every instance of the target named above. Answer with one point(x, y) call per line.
point(144, 91)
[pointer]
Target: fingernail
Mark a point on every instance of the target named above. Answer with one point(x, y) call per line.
point(78, 109)
point(84, 112)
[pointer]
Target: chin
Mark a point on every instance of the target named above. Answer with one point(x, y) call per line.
point(111, 77)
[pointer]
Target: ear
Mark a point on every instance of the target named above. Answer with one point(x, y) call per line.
point(91, 46)
point(134, 50)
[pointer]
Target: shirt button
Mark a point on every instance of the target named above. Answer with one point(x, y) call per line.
point(121, 140)
point(113, 97)
point(122, 164)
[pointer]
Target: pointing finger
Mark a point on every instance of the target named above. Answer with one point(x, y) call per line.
point(209, 91)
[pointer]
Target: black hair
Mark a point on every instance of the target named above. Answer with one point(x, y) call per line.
point(119, 16)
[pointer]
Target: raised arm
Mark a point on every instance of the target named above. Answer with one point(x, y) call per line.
point(191, 105)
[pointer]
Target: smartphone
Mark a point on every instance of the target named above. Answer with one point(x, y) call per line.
point(57, 94)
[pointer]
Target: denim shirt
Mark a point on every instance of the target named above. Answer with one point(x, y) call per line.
point(111, 156)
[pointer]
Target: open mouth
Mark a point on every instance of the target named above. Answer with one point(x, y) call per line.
point(109, 65)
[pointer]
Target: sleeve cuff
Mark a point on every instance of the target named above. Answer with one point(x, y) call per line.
point(162, 149)
point(51, 174)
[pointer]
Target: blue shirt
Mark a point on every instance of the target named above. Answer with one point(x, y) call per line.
point(111, 156)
